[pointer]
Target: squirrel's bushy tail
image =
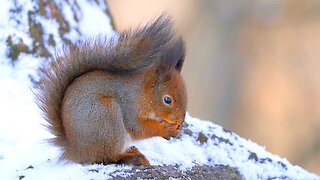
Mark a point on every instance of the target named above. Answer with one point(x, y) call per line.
point(130, 51)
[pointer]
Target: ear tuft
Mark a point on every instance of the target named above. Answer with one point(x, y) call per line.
point(175, 55)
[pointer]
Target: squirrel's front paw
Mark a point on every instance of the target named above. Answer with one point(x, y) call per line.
point(173, 130)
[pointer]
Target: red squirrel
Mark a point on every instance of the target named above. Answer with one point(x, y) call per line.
point(100, 95)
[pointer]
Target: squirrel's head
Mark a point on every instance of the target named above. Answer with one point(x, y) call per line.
point(165, 94)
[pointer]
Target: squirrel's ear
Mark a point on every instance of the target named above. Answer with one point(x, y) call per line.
point(158, 74)
point(162, 70)
point(175, 55)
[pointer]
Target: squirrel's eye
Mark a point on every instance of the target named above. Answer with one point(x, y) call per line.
point(167, 100)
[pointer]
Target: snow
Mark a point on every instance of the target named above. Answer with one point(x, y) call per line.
point(97, 27)
point(91, 19)
point(24, 153)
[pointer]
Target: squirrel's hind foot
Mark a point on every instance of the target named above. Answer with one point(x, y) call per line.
point(134, 157)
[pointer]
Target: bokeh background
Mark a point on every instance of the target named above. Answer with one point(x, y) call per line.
point(252, 66)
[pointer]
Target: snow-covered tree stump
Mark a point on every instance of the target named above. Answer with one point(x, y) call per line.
point(204, 151)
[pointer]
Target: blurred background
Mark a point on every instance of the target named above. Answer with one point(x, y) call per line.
point(252, 66)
